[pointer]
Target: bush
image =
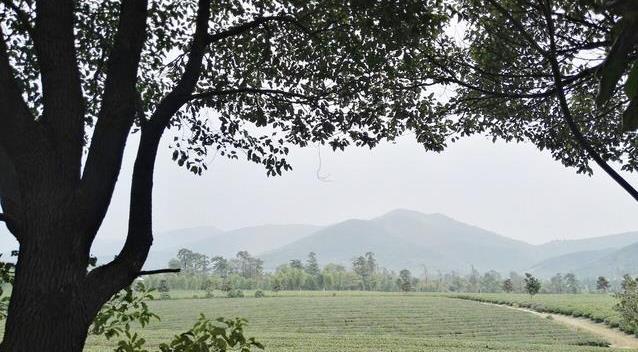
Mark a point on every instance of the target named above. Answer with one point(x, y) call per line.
point(219, 335)
point(259, 294)
point(235, 294)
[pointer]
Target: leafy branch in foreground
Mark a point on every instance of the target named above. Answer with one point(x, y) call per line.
point(129, 307)
point(207, 335)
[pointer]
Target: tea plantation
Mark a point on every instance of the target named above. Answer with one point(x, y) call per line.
point(370, 322)
point(597, 307)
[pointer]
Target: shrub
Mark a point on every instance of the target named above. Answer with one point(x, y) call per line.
point(235, 294)
point(259, 294)
point(220, 335)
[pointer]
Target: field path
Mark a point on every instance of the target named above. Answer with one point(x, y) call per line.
point(617, 338)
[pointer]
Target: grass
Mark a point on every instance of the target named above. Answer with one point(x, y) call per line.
point(359, 321)
point(597, 307)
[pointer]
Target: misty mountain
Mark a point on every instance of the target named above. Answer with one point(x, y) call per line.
point(400, 239)
point(408, 239)
point(254, 239)
point(569, 263)
point(616, 241)
point(613, 265)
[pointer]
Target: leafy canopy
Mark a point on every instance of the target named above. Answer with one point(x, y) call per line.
point(275, 73)
point(499, 71)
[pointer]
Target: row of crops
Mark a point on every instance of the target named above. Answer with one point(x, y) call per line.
point(597, 307)
point(394, 322)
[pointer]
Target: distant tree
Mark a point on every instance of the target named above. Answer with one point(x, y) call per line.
point(296, 264)
point(557, 284)
point(164, 290)
point(247, 266)
point(518, 282)
point(490, 282)
point(474, 281)
point(405, 280)
point(174, 264)
point(532, 284)
point(627, 304)
point(313, 271)
point(371, 263)
point(508, 286)
point(602, 284)
point(360, 268)
point(312, 265)
point(572, 285)
point(221, 266)
point(186, 259)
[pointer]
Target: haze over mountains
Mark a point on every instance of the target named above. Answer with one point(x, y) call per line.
point(400, 239)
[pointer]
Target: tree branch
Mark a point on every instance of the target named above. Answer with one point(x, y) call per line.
point(242, 28)
point(63, 102)
point(560, 93)
point(23, 17)
point(160, 271)
point(116, 116)
point(212, 93)
point(110, 278)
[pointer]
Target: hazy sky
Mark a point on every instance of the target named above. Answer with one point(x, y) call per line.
point(512, 189)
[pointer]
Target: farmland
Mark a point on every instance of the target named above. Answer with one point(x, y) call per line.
point(293, 321)
point(597, 307)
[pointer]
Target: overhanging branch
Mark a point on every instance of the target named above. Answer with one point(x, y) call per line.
point(245, 27)
point(160, 271)
point(564, 105)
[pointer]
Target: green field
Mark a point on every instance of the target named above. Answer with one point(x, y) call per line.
point(370, 322)
point(597, 307)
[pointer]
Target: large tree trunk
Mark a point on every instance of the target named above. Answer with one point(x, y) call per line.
point(48, 310)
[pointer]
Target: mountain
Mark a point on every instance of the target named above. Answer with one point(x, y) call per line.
point(569, 263)
point(408, 239)
point(613, 265)
point(611, 256)
point(400, 239)
point(255, 240)
point(617, 241)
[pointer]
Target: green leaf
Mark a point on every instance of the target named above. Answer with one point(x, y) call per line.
point(631, 86)
point(630, 116)
point(616, 62)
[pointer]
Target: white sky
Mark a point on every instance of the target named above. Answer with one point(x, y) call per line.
point(512, 189)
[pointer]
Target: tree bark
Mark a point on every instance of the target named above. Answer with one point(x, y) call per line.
point(47, 311)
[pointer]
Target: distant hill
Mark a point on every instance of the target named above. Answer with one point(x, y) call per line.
point(611, 256)
point(408, 239)
point(568, 263)
point(255, 239)
point(558, 248)
point(400, 239)
point(613, 265)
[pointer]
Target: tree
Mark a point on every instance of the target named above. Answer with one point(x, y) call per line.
point(490, 282)
point(508, 287)
point(474, 281)
point(405, 280)
point(519, 75)
point(313, 270)
point(77, 78)
point(365, 267)
point(532, 284)
point(221, 266)
point(296, 264)
point(602, 284)
point(627, 304)
point(556, 283)
point(571, 283)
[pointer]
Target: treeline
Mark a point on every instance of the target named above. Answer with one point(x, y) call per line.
point(246, 272)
